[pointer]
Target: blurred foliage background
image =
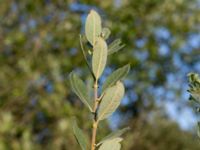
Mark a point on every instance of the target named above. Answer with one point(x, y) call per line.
point(39, 47)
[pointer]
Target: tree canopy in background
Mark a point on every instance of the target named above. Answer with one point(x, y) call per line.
point(39, 46)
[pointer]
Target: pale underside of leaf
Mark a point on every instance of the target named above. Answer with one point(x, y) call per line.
point(110, 101)
point(99, 57)
point(117, 75)
point(113, 144)
point(113, 135)
point(80, 89)
point(80, 136)
point(93, 27)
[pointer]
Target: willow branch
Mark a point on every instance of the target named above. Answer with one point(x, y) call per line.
point(95, 123)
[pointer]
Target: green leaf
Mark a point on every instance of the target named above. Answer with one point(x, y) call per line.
point(195, 96)
point(93, 27)
point(99, 57)
point(115, 46)
point(80, 89)
point(105, 33)
point(111, 144)
point(113, 135)
point(194, 90)
point(198, 129)
point(80, 136)
point(110, 101)
point(119, 74)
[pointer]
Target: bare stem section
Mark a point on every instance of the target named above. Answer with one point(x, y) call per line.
point(95, 123)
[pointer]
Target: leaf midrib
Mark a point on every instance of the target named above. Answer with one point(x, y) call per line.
point(100, 59)
point(112, 100)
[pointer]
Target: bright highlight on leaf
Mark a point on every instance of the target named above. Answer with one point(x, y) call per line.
point(113, 144)
point(93, 27)
point(99, 57)
point(110, 101)
point(113, 135)
point(80, 89)
point(80, 136)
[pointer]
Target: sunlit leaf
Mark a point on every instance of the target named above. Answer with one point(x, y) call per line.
point(80, 89)
point(110, 101)
point(99, 57)
point(119, 74)
point(93, 26)
point(113, 135)
point(113, 144)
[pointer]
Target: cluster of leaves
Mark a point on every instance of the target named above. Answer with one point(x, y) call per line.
point(194, 90)
point(175, 138)
point(112, 90)
point(38, 49)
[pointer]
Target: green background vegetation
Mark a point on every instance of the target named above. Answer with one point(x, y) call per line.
point(39, 47)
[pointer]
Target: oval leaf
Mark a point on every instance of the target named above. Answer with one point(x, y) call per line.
point(119, 74)
point(113, 135)
point(80, 136)
point(110, 101)
point(80, 89)
point(111, 144)
point(99, 57)
point(93, 27)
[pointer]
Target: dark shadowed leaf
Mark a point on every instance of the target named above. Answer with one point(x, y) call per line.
point(198, 129)
point(85, 56)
